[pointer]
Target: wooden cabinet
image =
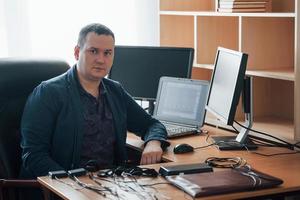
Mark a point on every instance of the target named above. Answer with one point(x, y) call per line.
point(272, 41)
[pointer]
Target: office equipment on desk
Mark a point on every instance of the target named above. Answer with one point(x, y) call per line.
point(139, 68)
point(184, 169)
point(180, 105)
point(276, 166)
point(222, 182)
point(227, 83)
point(183, 148)
point(58, 174)
point(128, 170)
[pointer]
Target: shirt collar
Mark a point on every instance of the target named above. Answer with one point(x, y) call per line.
point(102, 88)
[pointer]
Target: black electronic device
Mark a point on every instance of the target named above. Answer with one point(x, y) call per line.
point(77, 172)
point(139, 68)
point(183, 148)
point(184, 169)
point(227, 83)
point(58, 174)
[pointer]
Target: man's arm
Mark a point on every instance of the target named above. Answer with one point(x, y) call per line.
point(38, 124)
point(151, 131)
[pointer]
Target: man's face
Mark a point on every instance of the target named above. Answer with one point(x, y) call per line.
point(95, 57)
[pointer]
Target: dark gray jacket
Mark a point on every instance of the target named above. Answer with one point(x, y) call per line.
point(52, 124)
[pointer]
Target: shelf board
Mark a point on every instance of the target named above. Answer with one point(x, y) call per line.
point(205, 66)
point(282, 74)
point(261, 14)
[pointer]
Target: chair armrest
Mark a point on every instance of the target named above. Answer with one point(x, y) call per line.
point(19, 183)
point(134, 155)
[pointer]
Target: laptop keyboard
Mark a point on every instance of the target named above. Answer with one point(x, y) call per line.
point(175, 131)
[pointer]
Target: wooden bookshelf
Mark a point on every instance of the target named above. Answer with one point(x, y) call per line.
point(272, 41)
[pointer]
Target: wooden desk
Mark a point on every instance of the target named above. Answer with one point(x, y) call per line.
point(286, 167)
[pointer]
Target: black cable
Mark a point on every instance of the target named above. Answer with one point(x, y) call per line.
point(201, 147)
point(288, 145)
point(262, 133)
point(263, 144)
point(147, 108)
point(235, 129)
point(258, 142)
point(297, 144)
point(275, 154)
point(269, 145)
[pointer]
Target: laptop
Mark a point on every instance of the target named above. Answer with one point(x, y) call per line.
point(180, 105)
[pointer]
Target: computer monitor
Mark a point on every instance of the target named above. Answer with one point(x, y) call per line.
point(139, 68)
point(227, 83)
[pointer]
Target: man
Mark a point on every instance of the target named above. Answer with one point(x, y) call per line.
point(81, 115)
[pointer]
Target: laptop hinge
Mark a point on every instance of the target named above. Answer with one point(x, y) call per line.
point(178, 124)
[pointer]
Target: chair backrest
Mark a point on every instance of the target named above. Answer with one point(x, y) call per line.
point(18, 77)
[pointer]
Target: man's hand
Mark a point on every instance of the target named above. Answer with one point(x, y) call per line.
point(152, 153)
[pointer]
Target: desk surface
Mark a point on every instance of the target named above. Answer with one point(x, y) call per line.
point(285, 167)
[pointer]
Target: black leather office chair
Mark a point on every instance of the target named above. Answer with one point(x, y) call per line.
point(18, 77)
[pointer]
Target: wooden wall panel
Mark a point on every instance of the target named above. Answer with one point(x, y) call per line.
point(262, 38)
point(273, 98)
point(201, 74)
point(213, 32)
point(177, 31)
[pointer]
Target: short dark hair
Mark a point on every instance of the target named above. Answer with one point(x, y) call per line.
point(97, 28)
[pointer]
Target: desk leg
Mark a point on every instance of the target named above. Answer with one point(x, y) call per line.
point(46, 193)
point(1, 193)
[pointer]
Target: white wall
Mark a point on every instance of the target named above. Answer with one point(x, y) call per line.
point(49, 28)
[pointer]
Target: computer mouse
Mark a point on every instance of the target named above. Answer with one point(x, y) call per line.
point(183, 148)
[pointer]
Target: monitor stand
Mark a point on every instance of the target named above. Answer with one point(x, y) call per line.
point(230, 143)
point(239, 142)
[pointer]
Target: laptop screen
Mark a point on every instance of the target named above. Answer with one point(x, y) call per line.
point(181, 101)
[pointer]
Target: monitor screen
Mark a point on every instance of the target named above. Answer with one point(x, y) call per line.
point(226, 84)
point(181, 100)
point(139, 68)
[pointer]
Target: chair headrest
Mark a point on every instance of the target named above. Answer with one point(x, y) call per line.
point(19, 74)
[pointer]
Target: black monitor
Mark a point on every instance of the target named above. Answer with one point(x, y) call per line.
point(227, 83)
point(139, 68)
